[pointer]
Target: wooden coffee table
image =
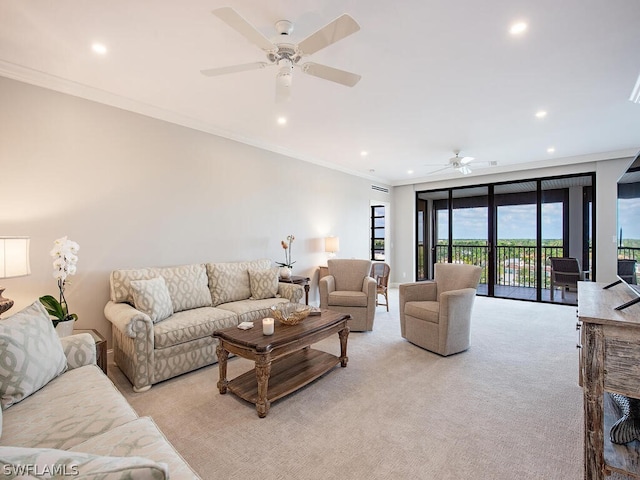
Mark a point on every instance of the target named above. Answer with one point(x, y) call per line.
point(284, 361)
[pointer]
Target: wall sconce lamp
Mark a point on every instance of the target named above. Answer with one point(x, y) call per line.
point(331, 246)
point(14, 262)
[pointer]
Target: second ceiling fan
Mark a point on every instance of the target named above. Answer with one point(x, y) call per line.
point(460, 164)
point(286, 55)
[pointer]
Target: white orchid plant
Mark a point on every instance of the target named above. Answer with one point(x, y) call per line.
point(286, 245)
point(65, 260)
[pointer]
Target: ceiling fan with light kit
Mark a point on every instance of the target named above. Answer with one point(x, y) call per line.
point(460, 164)
point(286, 55)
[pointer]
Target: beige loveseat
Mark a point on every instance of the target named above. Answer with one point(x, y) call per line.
point(61, 415)
point(163, 318)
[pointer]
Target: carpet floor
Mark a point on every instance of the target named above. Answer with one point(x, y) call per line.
point(508, 408)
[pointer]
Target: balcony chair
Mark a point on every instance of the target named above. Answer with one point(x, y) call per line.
point(565, 274)
point(348, 288)
point(380, 272)
point(436, 315)
point(627, 270)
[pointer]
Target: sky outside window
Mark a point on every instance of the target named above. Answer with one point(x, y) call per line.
point(514, 222)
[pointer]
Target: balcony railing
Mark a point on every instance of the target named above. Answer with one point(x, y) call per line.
point(631, 253)
point(516, 264)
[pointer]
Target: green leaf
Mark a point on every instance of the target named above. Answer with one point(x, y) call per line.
point(53, 307)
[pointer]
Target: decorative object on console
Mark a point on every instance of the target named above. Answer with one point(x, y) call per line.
point(331, 246)
point(627, 428)
point(285, 270)
point(290, 313)
point(14, 262)
point(64, 264)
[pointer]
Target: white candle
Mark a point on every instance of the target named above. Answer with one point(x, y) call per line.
point(267, 326)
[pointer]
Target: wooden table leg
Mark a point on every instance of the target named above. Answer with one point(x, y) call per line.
point(222, 367)
point(344, 335)
point(263, 371)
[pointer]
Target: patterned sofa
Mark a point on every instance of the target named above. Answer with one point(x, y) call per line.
point(61, 417)
point(162, 318)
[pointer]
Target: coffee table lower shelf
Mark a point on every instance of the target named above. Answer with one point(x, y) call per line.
point(288, 374)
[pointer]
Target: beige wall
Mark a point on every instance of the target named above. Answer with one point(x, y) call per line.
point(134, 191)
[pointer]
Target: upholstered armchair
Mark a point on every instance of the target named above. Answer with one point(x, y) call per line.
point(436, 315)
point(348, 288)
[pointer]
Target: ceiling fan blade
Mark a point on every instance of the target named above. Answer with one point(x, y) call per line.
point(341, 27)
point(465, 160)
point(330, 73)
point(213, 72)
point(244, 28)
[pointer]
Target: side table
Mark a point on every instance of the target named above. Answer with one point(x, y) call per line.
point(101, 347)
point(298, 280)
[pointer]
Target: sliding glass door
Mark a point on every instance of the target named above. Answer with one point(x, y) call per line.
point(510, 230)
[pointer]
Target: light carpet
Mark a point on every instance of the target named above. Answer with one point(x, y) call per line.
point(508, 408)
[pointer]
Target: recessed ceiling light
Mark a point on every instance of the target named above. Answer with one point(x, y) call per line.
point(364, 153)
point(551, 149)
point(518, 28)
point(541, 114)
point(99, 48)
point(282, 120)
point(409, 172)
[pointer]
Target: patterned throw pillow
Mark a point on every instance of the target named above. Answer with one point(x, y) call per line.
point(188, 286)
point(67, 464)
point(264, 283)
point(152, 297)
point(32, 354)
point(229, 281)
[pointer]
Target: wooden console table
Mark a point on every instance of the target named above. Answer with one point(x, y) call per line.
point(610, 362)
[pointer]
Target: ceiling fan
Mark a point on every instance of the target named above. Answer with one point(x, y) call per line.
point(286, 55)
point(460, 164)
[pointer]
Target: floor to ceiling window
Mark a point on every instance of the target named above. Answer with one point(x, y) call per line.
point(510, 230)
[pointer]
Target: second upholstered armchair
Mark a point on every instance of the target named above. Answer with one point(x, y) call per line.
point(348, 288)
point(436, 315)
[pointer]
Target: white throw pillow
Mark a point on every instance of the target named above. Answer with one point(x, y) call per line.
point(264, 283)
point(152, 297)
point(31, 354)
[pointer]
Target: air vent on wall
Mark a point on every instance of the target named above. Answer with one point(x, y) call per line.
point(380, 189)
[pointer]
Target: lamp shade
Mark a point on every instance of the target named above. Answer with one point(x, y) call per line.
point(14, 257)
point(332, 244)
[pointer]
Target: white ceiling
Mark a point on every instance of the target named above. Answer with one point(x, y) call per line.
point(437, 75)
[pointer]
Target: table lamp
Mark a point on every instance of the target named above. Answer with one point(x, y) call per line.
point(14, 262)
point(331, 246)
